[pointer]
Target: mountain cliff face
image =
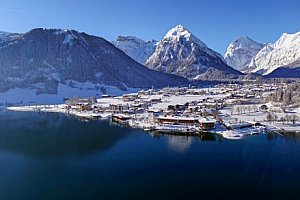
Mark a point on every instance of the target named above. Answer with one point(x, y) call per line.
point(240, 52)
point(284, 52)
point(136, 48)
point(43, 58)
point(181, 53)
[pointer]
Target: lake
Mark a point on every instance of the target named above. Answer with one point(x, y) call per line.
point(53, 156)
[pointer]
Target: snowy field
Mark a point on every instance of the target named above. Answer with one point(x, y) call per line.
point(261, 117)
point(182, 99)
point(28, 96)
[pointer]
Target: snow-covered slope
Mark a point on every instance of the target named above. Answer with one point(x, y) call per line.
point(291, 70)
point(181, 53)
point(240, 52)
point(7, 37)
point(285, 72)
point(285, 51)
point(136, 48)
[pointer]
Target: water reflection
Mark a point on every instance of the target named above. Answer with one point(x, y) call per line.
point(52, 156)
point(291, 136)
point(40, 134)
point(208, 137)
point(179, 144)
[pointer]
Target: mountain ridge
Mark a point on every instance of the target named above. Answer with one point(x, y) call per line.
point(46, 57)
point(282, 52)
point(183, 54)
point(135, 48)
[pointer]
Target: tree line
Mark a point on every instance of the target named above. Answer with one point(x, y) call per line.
point(289, 96)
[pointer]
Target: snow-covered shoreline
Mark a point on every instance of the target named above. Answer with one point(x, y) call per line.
point(216, 109)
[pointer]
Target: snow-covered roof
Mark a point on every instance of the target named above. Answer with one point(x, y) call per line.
point(206, 120)
point(178, 118)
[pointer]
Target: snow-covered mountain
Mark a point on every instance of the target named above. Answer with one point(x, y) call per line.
point(43, 59)
point(183, 54)
point(136, 48)
point(284, 52)
point(240, 52)
point(7, 37)
point(291, 70)
point(285, 72)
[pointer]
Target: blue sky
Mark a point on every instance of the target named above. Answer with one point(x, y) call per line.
point(217, 23)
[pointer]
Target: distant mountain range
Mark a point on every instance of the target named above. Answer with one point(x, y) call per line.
point(183, 54)
point(43, 59)
point(280, 59)
point(180, 53)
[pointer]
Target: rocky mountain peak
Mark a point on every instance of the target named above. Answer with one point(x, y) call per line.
point(182, 53)
point(240, 52)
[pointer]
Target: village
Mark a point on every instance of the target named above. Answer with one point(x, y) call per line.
point(232, 110)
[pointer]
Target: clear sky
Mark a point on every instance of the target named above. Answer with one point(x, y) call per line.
point(215, 22)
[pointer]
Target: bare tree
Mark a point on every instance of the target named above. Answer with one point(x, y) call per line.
point(255, 108)
point(287, 118)
point(243, 109)
point(238, 110)
point(294, 118)
point(249, 109)
point(232, 110)
point(275, 117)
point(282, 119)
point(236, 120)
point(269, 117)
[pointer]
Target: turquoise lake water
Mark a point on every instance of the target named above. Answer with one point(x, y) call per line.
point(53, 156)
